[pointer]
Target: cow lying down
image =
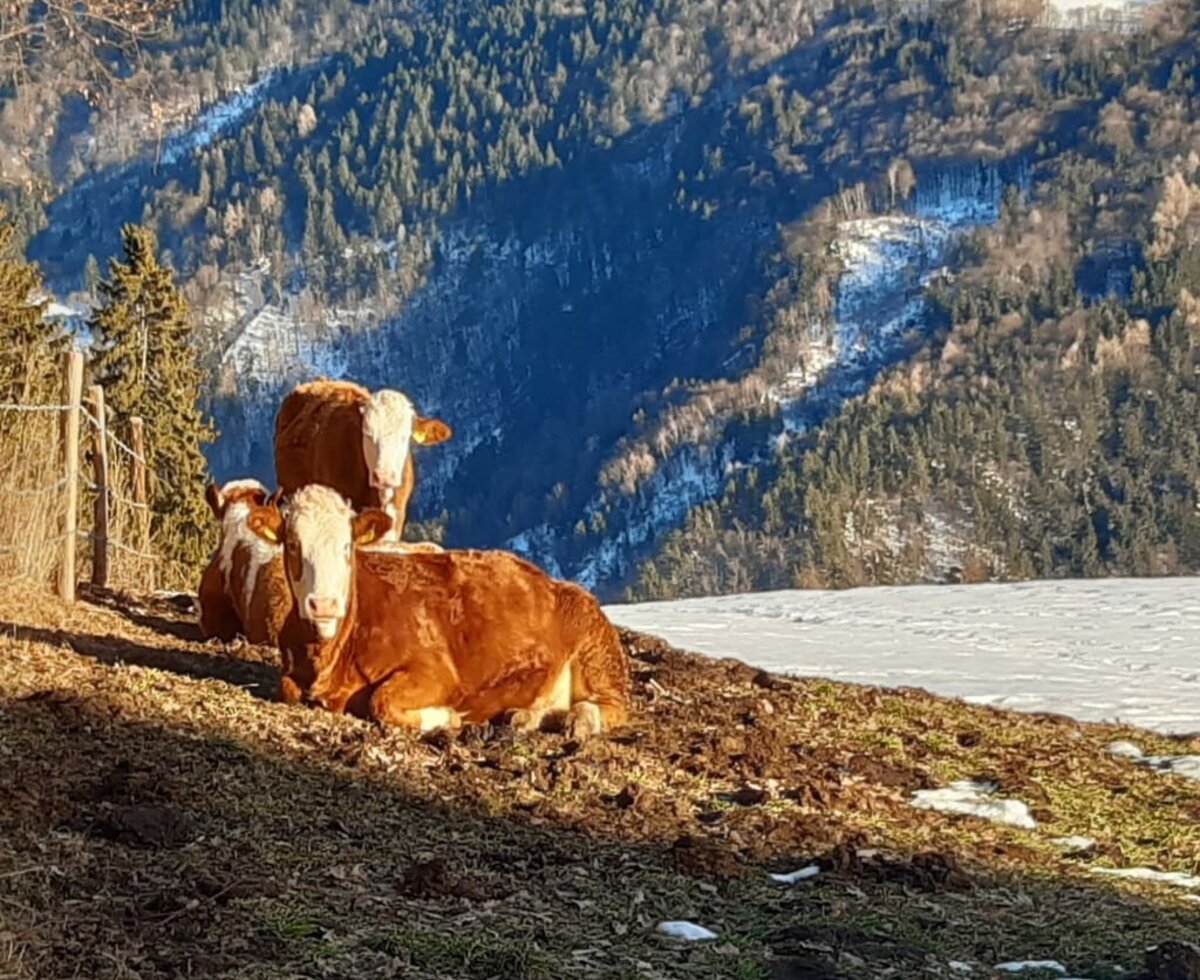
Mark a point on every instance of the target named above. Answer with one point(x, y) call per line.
point(243, 590)
point(428, 639)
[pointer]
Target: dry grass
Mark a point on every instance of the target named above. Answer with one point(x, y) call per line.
point(31, 496)
point(164, 819)
point(33, 505)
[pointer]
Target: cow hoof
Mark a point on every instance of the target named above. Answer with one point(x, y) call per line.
point(437, 719)
point(522, 720)
point(584, 720)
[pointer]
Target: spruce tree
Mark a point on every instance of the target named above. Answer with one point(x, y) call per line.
point(148, 365)
point(91, 277)
point(27, 341)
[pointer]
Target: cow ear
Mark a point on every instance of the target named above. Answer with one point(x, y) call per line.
point(429, 432)
point(266, 522)
point(212, 493)
point(371, 525)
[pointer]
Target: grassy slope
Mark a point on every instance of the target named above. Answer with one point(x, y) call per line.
point(165, 819)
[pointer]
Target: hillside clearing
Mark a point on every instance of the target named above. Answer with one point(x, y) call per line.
point(164, 819)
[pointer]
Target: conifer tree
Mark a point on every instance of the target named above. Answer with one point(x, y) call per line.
point(91, 276)
point(27, 341)
point(149, 366)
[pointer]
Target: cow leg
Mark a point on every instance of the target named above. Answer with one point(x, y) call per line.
point(423, 719)
point(548, 706)
point(289, 690)
point(599, 684)
point(403, 700)
point(584, 720)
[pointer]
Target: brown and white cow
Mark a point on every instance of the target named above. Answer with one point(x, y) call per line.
point(430, 639)
point(339, 434)
point(243, 590)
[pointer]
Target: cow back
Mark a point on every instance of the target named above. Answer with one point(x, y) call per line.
point(318, 439)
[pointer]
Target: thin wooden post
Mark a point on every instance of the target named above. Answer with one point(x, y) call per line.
point(72, 395)
point(100, 475)
point(137, 442)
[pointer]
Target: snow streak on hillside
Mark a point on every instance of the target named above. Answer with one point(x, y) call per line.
point(1096, 650)
point(215, 120)
point(887, 260)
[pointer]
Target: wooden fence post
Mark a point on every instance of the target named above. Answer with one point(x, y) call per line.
point(100, 508)
point(72, 395)
point(137, 442)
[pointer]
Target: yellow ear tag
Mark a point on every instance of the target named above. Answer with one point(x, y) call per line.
point(269, 534)
point(419, 435)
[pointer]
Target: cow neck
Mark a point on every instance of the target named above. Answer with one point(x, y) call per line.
point(329, 654)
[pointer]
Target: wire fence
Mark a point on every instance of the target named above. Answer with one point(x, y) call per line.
point(74, 494)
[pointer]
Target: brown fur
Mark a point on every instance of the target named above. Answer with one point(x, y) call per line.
point(318, 439)
point(218, 619)
point(479, 632)
point(224, 613)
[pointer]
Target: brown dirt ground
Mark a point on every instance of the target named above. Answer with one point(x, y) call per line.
point(161, 817)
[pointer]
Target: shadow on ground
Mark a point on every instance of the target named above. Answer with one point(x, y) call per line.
point(259, 679)
point(159, 828)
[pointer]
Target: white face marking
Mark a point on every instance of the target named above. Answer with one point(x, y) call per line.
point(235, 534)
point(320, 552)
point(387, 428)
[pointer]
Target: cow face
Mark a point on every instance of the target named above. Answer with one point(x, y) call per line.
point(319, 530)
point(390, 425)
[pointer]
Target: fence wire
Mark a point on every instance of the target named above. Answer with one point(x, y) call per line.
point(31, 509)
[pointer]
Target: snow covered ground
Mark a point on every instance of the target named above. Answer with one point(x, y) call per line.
point(1097, 650)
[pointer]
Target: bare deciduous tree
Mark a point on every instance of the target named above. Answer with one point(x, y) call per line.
point(91, 30)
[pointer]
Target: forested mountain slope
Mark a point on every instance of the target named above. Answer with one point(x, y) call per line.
point(639, 254)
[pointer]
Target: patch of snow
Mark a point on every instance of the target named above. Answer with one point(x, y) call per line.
point(1187, 766)
point(961, 967)
point(1074, 844)
point(61, 311)
point(1177, 878)
point(975, 800)
point(1065, 6)
point(1017, 966)
point(1116, 650)
point(687, 931)
point(1124, 750)
point(1123, 16)
point(794, 876)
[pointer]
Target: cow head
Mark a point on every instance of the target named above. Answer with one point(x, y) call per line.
point(250, 493)
point(390, 425)
point(318, 531)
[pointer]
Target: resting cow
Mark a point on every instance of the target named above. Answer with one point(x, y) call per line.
point(430, 639)
point(359, 443)
point(243, 589)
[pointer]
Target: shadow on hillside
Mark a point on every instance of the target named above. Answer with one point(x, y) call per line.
point(259, 679)
point(159, 614)
point(171, 845)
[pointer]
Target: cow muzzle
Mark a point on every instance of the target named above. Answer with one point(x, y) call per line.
point(324, 613)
